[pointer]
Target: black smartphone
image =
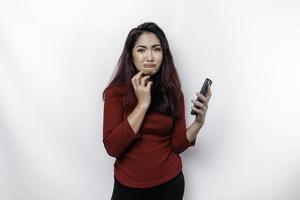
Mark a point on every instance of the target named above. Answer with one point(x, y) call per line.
point(203, 91)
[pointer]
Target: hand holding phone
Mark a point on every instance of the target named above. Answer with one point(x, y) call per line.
point(203, 91)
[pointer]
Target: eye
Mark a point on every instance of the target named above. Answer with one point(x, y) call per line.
point(157, 49)
point(141, 50)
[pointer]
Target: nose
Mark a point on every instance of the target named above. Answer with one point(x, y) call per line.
point(150, 56)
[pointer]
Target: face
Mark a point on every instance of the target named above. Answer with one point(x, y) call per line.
point(147, 53)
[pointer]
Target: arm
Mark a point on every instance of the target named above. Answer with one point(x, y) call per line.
point(192, 131)
point(182, 138)
point(137, 116)
point(119, 133)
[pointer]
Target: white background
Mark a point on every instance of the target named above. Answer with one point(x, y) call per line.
point(56, 57)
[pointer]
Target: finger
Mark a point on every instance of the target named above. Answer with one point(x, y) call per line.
point(143, 80)
point(209, 93)
point(139, 73)
point(197, 103)
point(136, 82)
point(198, 111)
point(133, 82)
point(137, 76)
point(149, 85)
point(202, 98)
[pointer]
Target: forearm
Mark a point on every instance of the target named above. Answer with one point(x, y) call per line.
point(192, 131)
point(136, 117)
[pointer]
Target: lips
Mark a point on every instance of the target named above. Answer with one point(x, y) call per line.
point(150, 66)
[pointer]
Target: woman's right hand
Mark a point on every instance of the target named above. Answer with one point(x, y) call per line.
point(142, 88)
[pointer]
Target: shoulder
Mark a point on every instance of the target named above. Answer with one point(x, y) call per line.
point(115, 90)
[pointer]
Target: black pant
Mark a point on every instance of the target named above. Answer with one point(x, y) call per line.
point(170, 190)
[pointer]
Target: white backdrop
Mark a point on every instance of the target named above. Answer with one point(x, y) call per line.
point(56, 57)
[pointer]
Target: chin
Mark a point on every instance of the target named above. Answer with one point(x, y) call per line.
point(149, 71)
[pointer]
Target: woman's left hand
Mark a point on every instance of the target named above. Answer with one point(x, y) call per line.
point(203, 106)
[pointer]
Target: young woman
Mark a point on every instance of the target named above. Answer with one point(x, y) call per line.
point(144, 119)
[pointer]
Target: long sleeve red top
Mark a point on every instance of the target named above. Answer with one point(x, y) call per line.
point(150, 157)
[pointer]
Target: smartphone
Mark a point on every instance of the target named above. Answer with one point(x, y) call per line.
point(203, 91)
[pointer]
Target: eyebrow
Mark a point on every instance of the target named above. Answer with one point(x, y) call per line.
point(155, 45)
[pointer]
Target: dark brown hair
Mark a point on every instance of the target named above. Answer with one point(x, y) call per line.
point(166, 88)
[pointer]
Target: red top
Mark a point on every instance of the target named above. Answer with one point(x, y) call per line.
point(152, 156)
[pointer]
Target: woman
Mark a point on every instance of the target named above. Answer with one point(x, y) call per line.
point(144, 119)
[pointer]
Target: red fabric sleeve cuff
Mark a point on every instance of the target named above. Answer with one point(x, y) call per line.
point(131, 131)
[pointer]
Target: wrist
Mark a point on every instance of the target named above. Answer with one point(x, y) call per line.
point(198, 124)
point(143, 106)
